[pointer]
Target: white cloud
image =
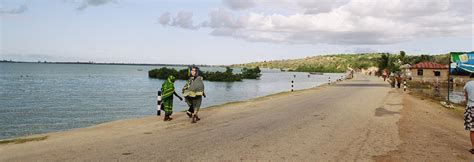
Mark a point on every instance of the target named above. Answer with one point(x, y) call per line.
point(240, 4)
point(83, 4)
point(342, 22)
point(183, 19)
point(21, 9)
point(320, 6)
point(165, 18)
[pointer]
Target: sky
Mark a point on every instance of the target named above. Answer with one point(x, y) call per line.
point(221, 32)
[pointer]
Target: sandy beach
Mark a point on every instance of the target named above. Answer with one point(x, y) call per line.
point(358, 119)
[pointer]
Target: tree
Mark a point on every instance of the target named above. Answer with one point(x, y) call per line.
point(387, 62)
point(384, 61)
point(251, 73)
point(441, 59)
point(426, 58)
point(402, 57)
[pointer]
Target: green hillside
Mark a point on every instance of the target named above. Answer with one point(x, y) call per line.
point(342, 62)
point(325, 63)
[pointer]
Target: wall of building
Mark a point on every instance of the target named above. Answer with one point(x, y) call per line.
point(429, 75)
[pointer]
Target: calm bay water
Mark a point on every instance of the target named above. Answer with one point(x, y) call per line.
point(40, 98)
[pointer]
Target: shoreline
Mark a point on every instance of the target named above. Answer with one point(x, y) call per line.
point(261, 98)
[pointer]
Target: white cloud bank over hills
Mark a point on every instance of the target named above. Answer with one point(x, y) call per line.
point(342, 22)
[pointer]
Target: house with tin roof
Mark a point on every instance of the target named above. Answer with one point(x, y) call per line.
point(429, 72)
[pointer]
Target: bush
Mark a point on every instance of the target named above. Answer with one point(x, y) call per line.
point(162, 73)
point(182, 74)
point(251, 73)
point(226, 76)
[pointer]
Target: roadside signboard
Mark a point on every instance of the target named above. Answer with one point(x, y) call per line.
point(461, 63)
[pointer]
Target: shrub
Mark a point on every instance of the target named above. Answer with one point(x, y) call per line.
point(251, 73)
point(226, 76)
point(162, 73)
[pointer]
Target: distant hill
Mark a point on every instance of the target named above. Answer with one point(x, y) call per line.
point(324, 63)
point(342, 62)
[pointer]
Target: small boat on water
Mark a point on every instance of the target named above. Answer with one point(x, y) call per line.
point(140, 69)
point(316, 73)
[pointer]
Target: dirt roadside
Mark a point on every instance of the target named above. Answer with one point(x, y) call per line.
point(429, 132)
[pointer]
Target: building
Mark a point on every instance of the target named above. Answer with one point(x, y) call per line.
point(429, 72)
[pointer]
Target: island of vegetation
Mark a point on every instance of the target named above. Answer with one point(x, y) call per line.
point(218, 76)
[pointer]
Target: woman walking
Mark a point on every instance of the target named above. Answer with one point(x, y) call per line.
point(167, 88)
point(193, 91)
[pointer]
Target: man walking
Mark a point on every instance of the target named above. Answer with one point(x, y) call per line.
point(469, 113)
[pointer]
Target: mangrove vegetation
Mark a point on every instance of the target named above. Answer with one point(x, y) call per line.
point(218, 76)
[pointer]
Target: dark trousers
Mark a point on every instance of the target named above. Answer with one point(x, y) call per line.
point(188, 101)
point(194, 104)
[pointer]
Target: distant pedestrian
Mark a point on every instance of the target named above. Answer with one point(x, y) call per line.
point(392, 80)
point(193, 91)
point(167, 89)
point(399, 80)
point(469, 112)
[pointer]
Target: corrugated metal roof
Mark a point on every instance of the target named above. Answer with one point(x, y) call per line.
point(428, 65)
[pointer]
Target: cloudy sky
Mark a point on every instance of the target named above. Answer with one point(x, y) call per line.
point(228, 31)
